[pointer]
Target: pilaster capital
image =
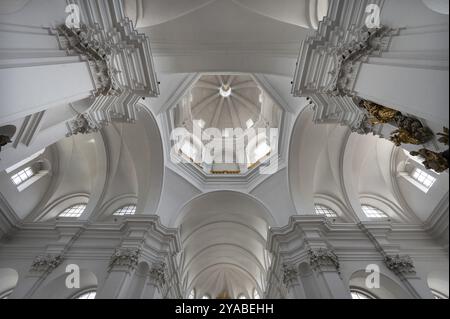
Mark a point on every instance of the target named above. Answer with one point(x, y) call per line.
point(127, 258)
point(157, 274)
point(323, 259)
point(400, 265)
point(46, 263)
point(290, 274)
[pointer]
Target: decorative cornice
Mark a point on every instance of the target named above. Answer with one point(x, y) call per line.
point(125, 257)
point(46, 263)
point(400, 265)
point(322, 258)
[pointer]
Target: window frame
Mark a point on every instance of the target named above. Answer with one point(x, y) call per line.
point(27, 171)
point(416, 175)
point(119, 212)
point(327, 211)
point(369, 295)
point(85, 292)
point(382, 215)
point(65, 211)
point(6, 294)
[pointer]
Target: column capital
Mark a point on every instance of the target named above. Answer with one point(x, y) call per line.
point(290, 274)
point(125, 258)
point(400, 265)
point(157, 274)
point(324, 259)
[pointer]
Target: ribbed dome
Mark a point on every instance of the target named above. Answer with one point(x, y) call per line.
point(226, 101)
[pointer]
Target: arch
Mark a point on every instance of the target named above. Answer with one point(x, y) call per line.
point(8, 281)
point(109, 207)
point(438, 283)
point(237, 196)
point(223, 235)
point(334, 204)
point(13, 6)
point(389, 288)
point(60, 204)
point(57, 289)
point(439, 6)
point(384, 205)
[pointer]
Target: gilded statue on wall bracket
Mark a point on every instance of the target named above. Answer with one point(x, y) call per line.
point(437, 162)
point(378, 114)
point(410, 130)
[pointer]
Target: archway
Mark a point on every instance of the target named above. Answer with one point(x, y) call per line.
point(224, 238)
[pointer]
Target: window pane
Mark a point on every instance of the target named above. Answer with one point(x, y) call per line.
point(357, 294)
point(423, 178)
point(325, 211)
point(87, 295)
point(73, 211)
point(127, 210)
point(22, 176)
point(372, 212)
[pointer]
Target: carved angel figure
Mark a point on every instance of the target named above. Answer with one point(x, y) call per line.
point(379, 114)
point(402, 136)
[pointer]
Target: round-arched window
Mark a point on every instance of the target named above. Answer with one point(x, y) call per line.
point(361, 294)
point(87, 294)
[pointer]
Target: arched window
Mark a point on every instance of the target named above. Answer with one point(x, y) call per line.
point(87, 294)
point(438, 295)
point(242, 296)
point(256, 294)
point(206, 297)
point(361, 294)
point(372, 212)
point(74, 211)
point(192, 294)
point(325, 211)
point(126, 211)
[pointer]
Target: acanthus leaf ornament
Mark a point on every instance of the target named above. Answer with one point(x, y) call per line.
point(125, 257)
point(400, 264)
point(157, 274)
point(82, 125)
point(46, 262)
point(290, 274)
point(323, 258)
